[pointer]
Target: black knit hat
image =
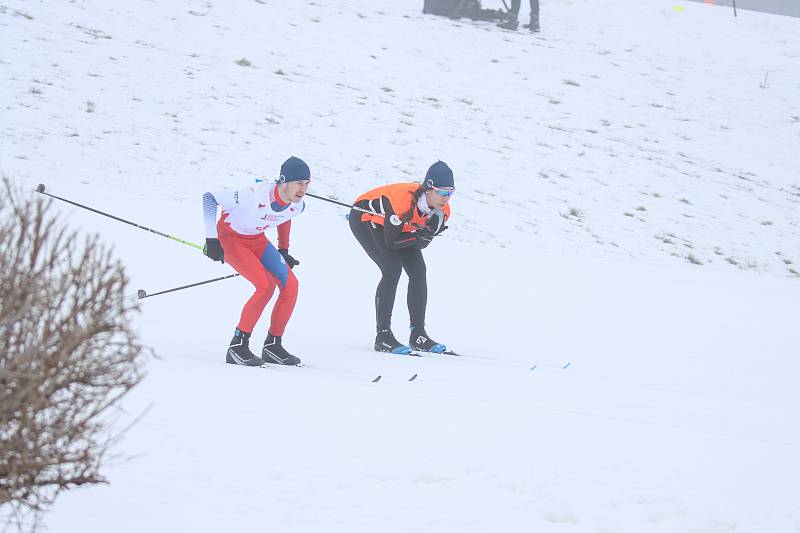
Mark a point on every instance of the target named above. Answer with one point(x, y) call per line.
point(439, 175)
point(294, 169)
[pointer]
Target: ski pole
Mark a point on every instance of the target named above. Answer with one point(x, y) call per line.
point(362, 210)
point(342, 204)
point(143, 294)
point(41, 189)
point(734, 9)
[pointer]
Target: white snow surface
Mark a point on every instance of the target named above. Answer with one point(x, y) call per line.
point(627, 205)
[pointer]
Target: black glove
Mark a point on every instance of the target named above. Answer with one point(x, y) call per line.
point(435, 223)
point(291, 261)
point(424, 234)
point(213, 250)
point(433, 226)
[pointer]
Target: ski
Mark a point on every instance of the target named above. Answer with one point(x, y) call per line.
point(564, 367)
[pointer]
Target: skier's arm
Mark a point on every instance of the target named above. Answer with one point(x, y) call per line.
point(434, 226)
point(393, 228)
point(210, 215)
point(283, 235)
point(213, 250)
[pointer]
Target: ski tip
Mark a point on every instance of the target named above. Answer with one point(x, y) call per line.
point(566, 366)
point(40, 188)
point(141, 294)
point(533, 367)
point(377, 379)
point(451, 352)
point(412, 378)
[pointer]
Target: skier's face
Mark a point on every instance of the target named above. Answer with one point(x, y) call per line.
point(436, 200)
point(293, 191)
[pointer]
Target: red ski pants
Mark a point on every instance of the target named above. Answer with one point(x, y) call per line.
point(255, 258)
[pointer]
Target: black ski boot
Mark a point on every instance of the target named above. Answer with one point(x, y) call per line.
point(274, 352)
point(533, 27)
point(422, 342)
point(511, 24)
point(239, 351)
point(385, 342)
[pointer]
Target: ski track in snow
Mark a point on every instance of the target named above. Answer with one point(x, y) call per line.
point(627, 205)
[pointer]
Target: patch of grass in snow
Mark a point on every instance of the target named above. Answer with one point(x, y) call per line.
point(572, 83)
point(89, 106)
point(243, 62)
point(573, 212)
point(693, 260)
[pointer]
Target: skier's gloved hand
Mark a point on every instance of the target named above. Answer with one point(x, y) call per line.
point(436, 222)
point(213, 250)
point(291, 261)
point(424, 234)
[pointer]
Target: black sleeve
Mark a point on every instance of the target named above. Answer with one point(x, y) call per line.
point(393, 228)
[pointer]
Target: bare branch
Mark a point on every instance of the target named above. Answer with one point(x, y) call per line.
point(67, 356)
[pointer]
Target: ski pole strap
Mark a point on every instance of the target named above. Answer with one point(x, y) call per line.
point(142, 294)
point(40, 189)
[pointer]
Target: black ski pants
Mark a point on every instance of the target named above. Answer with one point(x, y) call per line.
point(515, 5)
point(392, 263)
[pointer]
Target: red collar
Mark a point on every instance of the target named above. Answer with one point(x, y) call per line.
point(278, 197)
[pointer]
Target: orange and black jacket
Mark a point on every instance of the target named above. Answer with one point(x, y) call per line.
point(396, 200)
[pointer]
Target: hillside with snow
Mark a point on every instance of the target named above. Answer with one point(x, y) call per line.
point(621, 271)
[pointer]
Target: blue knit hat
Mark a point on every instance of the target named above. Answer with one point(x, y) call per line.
point(294, 169)
point(439, 175)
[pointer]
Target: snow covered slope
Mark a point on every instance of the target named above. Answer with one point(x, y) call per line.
point(627, 203)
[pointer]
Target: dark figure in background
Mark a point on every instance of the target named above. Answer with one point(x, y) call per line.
point(456, 9)
point(513, 17)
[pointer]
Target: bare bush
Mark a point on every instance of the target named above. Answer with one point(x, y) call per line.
point(67, 356)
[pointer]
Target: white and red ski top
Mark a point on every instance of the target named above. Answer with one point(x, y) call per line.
point(250, 211)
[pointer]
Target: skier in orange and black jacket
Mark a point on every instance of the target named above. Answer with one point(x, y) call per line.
point(404, 219)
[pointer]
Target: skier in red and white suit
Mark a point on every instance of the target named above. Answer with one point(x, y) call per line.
point(238, 239)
